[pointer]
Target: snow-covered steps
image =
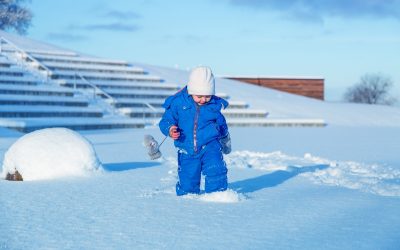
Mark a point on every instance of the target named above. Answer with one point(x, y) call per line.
point(229, 113)
point(97, 76)
point(138, 102)
point(86, 69)
point(145, 94)
point(31, 124)
point(245, 113)
point(51, 52)
point(73, 66)
point(106, 84)
point(261, 122)
point(142, 102)
point(41, 90)
point(142, 112)
point(48, 111)
point(3, 60)
point(238, 105)
point(13, 74)
point(12, 80)
point(10, 71)
point(41, 84)
point(4, 63)
point(43, 100)
point(273, 122)
point(155, 86)
point(78, 60)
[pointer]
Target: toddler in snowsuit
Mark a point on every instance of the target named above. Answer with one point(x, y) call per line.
point(194, 120)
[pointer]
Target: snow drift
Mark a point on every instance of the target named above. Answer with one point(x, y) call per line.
point(51, 153)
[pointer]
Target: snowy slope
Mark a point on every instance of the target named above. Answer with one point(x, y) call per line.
point(33, 45)
point(284, 105)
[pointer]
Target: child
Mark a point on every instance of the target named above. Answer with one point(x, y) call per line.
point(194, 120)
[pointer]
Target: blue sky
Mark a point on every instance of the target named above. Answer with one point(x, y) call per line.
point(340, 40)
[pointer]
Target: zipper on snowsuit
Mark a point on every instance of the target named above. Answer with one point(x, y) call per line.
point(195, 124)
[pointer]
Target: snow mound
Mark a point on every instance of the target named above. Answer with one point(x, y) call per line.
point(372, 178)
point(51, 153)
point(227, 196)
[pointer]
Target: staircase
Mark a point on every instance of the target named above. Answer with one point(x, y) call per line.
point(42, 88)
point(30, 99)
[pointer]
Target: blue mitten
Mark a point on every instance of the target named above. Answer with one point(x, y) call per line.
point(226, 144)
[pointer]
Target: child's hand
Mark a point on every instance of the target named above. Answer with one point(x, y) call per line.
point(174, 133)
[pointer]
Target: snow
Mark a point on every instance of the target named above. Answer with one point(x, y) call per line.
point(29, 44)
point(71, 64)
point(373, 178)
point(289, 188)
point(44, 98)
point(106, 75)
point(50, 154)
point(73, 57)
point(46, 88)
point(44, 108)
point(332, 187)
point(228, 196)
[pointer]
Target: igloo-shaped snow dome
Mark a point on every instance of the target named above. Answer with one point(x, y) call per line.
point(51, 153)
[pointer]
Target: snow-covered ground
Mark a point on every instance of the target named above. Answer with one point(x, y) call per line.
point(334, 187)
point(290, 188)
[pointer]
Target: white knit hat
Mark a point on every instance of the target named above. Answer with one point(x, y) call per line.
point(201, 81)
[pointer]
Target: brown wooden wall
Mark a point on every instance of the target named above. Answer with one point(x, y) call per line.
point(310, 87)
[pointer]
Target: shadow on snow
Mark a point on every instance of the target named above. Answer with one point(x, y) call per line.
point(123, 166)
point(272, 179)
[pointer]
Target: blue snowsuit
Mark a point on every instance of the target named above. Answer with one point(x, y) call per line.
point(199, 149)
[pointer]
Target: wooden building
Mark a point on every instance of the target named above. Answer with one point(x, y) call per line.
point(306, 86)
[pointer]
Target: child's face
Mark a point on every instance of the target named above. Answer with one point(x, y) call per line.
point(201, 99)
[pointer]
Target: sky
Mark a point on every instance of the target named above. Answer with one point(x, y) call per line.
point(338, 40)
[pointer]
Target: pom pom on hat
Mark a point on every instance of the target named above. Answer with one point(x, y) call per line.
point(201, 81)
